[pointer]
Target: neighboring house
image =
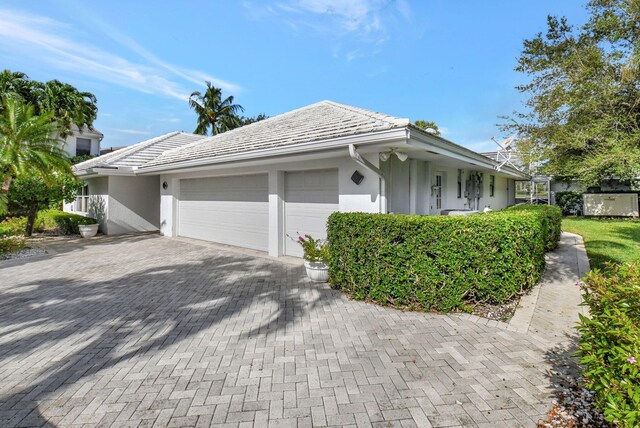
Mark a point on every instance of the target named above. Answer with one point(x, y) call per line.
point(85, 142)
point(258, 185)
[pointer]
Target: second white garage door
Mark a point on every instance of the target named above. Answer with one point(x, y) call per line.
point(230, 210)
point(310, 197)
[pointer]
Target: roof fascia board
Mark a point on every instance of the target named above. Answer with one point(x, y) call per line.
point(452, 150)
point(398, 135)
point(96, 171)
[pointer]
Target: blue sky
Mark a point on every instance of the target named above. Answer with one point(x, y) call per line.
point(450, 61)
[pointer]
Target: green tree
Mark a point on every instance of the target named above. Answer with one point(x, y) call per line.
point(215, 115)
point(68, 106)
point(248, 120)
point(16, 84)
point(28, 145)
point(583, 110)
point(427, 124)
point(31, 193)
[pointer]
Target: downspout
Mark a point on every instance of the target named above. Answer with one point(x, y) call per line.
point(371, 167)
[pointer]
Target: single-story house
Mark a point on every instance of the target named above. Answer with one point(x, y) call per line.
point(257, 185)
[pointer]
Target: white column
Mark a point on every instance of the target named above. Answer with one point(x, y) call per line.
point(276, 213)
point(169, 205)
point(413, 186)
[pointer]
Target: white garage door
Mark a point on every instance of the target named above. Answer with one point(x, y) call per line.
point(229, 210)
point(310, 197)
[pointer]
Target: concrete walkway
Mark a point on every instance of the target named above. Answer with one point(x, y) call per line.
point(151, 331)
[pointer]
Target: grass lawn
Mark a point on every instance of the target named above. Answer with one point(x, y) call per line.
point(607, 240)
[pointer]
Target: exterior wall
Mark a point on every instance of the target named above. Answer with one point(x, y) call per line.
point(134, 204)
point(98, 205)
point(364, 197)
point(410, 190)
point(70, 142)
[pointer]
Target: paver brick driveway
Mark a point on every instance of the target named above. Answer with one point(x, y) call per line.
point(151, 331)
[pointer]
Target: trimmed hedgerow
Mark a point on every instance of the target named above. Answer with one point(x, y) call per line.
point(610, 344)
point(59, 222)
point(435, 262)
point(550, 218)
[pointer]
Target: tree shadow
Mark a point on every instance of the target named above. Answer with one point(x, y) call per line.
point(136, 313)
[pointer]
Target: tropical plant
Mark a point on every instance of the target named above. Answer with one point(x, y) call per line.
point(427, 124)
point(67, 105)
point(30, 194)
point(17, 84)
point(215, 115)
point(248, 120)
point(315, 250)
point(28, 145)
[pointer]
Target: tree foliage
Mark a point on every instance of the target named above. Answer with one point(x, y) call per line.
point(248, 120)
point(583, 109)
point(28, 145)
point(215, 115)
point(31, 193)
point(427, 124)
point(66, 105)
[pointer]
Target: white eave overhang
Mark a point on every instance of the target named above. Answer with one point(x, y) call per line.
point(441, 146)
point(105, 170)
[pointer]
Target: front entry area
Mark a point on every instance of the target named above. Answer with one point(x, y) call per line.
point(309, 198)
point(231, 210)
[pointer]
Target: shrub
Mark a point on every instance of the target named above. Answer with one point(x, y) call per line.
point(59, 222)
point(435, 262)
point(13, 226)
point(610, 343)
point(570, 202)
point(10, 244)
point(550, 218)
point(315, 250)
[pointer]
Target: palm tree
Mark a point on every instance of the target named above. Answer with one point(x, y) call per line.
point(68, 105)
point(28, 145)
point(213, 112)
point(15, 83)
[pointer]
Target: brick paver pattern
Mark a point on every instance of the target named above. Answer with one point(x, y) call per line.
point(152, 331)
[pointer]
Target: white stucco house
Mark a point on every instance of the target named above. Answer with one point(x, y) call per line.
point(256, 185)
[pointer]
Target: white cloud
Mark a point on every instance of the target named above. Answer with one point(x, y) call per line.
point(43, 40)
point(368, 20)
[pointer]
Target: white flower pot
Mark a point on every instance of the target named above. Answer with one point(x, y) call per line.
point(88, 230)
point(317, 271)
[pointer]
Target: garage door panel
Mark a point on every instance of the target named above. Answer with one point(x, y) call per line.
point(310, 197)
point(228, 210)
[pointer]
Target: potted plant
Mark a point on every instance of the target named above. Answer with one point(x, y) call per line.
point(88, 228)
point(316, 256)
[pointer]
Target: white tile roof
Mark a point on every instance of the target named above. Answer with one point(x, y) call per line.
point(140, 153)
point(317, 122)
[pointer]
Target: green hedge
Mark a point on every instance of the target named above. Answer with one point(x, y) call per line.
point(550, 218)
point(610, 342)
point(59, 222)
point(436, 262)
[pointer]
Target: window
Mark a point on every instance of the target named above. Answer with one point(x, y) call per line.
point(83, 146)
point(492, 185)
point(460, 174)
point(82, 200)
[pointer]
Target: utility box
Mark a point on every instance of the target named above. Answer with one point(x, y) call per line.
point(611, 204)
